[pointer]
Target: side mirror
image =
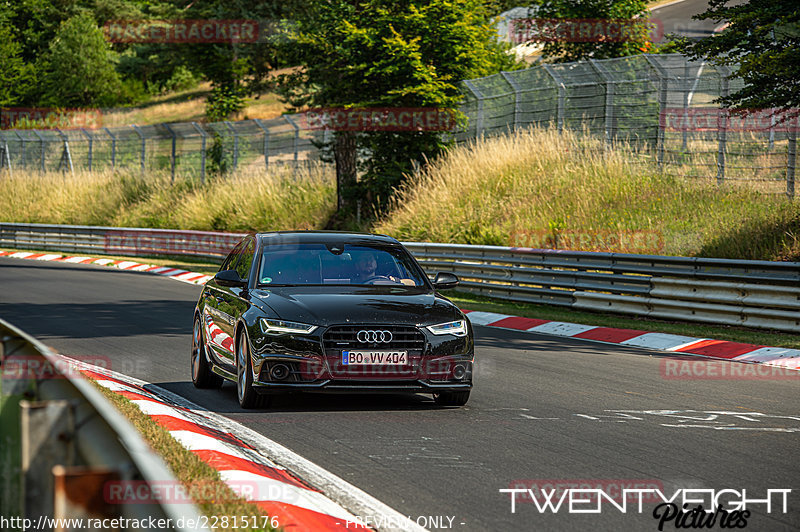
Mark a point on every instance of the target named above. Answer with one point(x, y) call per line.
point(229, 278)
point(445, 280)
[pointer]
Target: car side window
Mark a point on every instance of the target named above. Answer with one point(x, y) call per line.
point(227, 264)
point(245, 262)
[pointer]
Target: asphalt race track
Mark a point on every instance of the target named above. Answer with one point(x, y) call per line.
point(676, 18)
point(544, 410)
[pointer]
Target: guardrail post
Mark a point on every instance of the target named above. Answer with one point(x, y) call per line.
point(89, 154)
point(48, 429)
point(202, 152)
point(235, 144)
point(296, 143)
point(266, 142)
point(113, 147)
point(562, 96)
point(41, 150)
point(73, 484)
point(517, 105)
point(172, 152)
point(66, 156)
point(791, 159)
point(479, 127)
point(141, 136)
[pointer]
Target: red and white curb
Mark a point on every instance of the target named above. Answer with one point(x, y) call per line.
point(772, 356)
point(172, 273)
point(296, 505)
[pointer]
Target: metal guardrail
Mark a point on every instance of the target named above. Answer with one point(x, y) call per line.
point(117, 240)
point(63, 442)
point(758, 294)
point(752, 293)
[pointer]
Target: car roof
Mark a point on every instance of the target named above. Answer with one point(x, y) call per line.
point(325, 237)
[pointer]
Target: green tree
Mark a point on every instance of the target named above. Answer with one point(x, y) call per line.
point(16, 76)
point(633, 12)
point(235, 69)
point(762, 45)
point(78, 68)
point(382, 53)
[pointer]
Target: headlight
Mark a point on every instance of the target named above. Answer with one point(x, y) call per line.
point(269, 326)
point(456, 328)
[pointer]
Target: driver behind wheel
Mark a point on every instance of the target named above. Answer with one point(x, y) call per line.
point(364, 268)
point(365, 271)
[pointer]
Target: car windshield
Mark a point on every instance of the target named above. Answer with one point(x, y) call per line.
point(337, 264)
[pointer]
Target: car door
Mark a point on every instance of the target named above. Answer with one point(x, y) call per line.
point(217, 306)
point(235, 300)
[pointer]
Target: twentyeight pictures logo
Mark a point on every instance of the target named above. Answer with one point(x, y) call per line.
point(683, 508)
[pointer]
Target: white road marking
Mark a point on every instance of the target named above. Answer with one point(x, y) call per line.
point(561, 328)
point(267, 489)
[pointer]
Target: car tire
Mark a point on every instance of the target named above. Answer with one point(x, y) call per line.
point(202, 376)
point(452, 398)
point(248, 397)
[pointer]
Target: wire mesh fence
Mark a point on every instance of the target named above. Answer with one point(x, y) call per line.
point(184, 148)
point(662, 106)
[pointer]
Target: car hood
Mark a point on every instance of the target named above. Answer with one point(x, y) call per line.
point(387, 305)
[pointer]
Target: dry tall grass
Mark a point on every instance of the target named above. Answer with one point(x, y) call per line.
point(539, 188)
point(190, 106)
point(249, 200)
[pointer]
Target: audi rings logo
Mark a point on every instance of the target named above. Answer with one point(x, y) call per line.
point(373, 337)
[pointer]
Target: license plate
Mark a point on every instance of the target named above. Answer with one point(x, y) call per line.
point(374, 358)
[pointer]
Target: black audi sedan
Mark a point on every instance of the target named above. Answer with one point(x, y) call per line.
point(329, 312)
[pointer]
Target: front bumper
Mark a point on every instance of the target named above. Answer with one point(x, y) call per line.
point(314, 363)
point(339, 386)
point(423, 375)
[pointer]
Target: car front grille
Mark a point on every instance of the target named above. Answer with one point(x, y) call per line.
point(404, 338)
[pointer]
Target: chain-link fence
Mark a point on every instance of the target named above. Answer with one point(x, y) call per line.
point(185, 148)
point(659, 105)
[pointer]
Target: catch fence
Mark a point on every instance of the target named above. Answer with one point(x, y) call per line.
point(660, 106)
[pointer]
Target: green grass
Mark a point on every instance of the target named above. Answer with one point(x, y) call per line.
point(248, 200)
point(537, 188)
point(554, 313)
